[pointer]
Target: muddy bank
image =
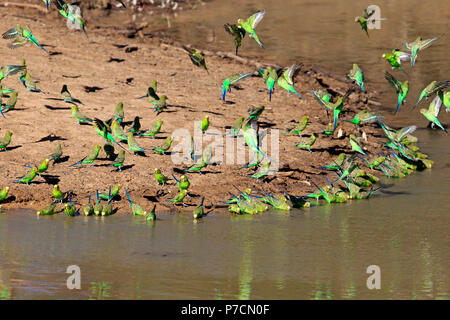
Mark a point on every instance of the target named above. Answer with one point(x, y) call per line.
point(108, 68)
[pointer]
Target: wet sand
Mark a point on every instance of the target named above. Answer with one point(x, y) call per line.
point(40, 121)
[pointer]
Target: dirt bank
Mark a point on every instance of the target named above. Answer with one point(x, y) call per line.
point(119, 73)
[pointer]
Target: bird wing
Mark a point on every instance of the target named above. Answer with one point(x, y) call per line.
point(324, 104)
point(438, 86)
point(17, 43)
point(11, 33)
point(238, 77)
point(12, 99)
point(394, 82)
point(291, 72)
point(256, 18)
point(435, 106)
point(368, 14)
point(151, 92)
point(426, 43)
point(405, 131)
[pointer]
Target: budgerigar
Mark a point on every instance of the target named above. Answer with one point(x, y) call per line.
point(22, 35)
point(6, 140)
point(432, 88)
point(432, 113)
point(135, 208)
point(395, 58)
point(91, 157)
point(237, 32)
point(250, 24)
point(418, 45)
point(165, 146)
point(160, 178)
point(78, 116)
point(401, 88)
point(153, 130)
point(356, 75)
point(286, 80)
point(196, 57)
point(231, 80)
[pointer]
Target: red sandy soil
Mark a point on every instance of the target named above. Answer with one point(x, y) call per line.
point(78, 62)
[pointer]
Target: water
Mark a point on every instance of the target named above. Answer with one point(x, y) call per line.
point(320, 253)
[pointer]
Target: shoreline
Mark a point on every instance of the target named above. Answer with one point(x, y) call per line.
point(121, 75)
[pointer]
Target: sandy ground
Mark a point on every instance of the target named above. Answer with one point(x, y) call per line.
point(40, 121)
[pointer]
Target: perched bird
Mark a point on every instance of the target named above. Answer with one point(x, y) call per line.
point(66, 96)
point(401, 88)
point(204, 124)
point(160, 178)
point(199, 212)
point(21, 35)
point(57, 153)
point(356, 75)
point(58, 194)
point(135, 208)
point(286, 80)
point(69, 208)
point(196, 57)
point(118, 132)
point(308, 143)
point(135, 126)
point(78, 116)
point(364, 19)
point(395, 58)
point(6, 140)
point(91, 157)
point(231, 80)
point(432, 113)
point(98, 207)
point(179, 198)
point(112, 193)
point(10, 104)
point(119, 160)
point(42, 167)
point(29, 83)
point(151, 216)
point(88, 208)
point(250, 24)
point(119, 113)
point(4, 193)
point(237, 125)
point(29, 176)
point(151, 92)
point(107, 208)
point(354, 142)
point(133, 145)
point(164, 147)
point(237, 32)
point(183, 183)
point(299, 127)
point(418, 45)
point(153, 130)
point(255, 112)
point(48, 210)
point(432, 88)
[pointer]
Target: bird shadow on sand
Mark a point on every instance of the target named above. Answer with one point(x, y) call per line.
point(71, 77)
point(212, 112)
point(55, 53)
point(120, 46)
point(115, 60)
point(12, 148)
point(56, 108)
point(266, 125)
point(89, 89)
point(50, 179)
point(333, 150)
point(229, 102)
point(141, 154)
point(62, 159)
point(9, 199)
point(51, 138)
point(59, 99)
point(151, 198)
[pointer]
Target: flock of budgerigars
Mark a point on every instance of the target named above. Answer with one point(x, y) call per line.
point(402, 157)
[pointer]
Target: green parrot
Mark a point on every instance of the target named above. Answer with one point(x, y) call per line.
point(112, 193)
point(10, 70)
point(278, 202)
point(164, 147)
point(179, 198)
point(395, 58)
point(161, 104)
point(151, 216)
point(69, 208)
point(376, 162)
point(237, 125)
point(286, 81)
point(88, 208)
point(307, 144)
point(250, 132)
point(10, 104)
point(204, 124)
point(337, 163)
point(329, 106)
point(135, 126)
point(196, 57)
point(196, 167)
point(57, 153)
point(270, 77)
point(432, 113)
point(6, 140)
point(432, 88)
point(354, 142)
point(107, 208)
point(364, 117)
point(151, 92)
point(445, 98)
point(135, 208)
point(118, 132)
point(263, 171)
point(417, 46)
point(28, 177)
point(133, 145)
point(364, 19)
point(42, 167)
point(237, 32)
point(91, 157)
point(250, 24)
point(257, 158)
point(255, 112)
point(69, 12)
point(231, 80)
point(119, 160)
point(22, 36)
point(401, 88)
point(119, 113)
point(78, 116)
point(154, 130)
point(66, 96)
point(356, 75)
point(58, 194)
point(49, 210)
point(104, 130)
point(397, 135)
point(4, 193)
point(297, 202)
point(160, 178)
point(98, 207)
point(183, 183)
point(29, 83)
point(198, 212)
